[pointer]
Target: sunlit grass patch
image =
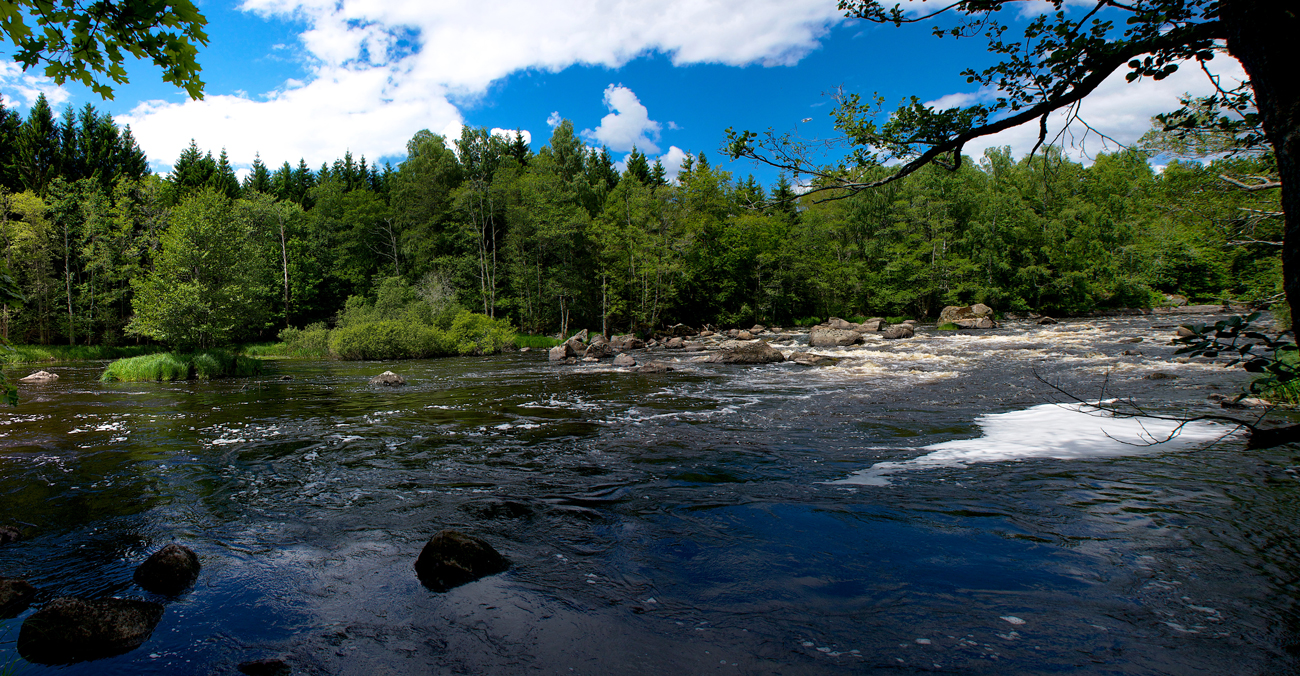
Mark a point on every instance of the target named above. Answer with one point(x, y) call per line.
point(26, 354)
point(535, 342)
point(168, 366)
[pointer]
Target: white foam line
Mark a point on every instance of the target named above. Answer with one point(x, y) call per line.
point(1055, 431)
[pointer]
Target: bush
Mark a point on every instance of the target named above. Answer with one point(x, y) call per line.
point(474, 333)
point(168, 366)
point(948, 326)
point(535, 342)
point(312, 341)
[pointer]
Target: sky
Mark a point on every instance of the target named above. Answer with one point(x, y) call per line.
point(312, 79)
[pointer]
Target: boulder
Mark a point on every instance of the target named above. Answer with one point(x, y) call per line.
point(624, 360)
point(70, 629)
point(744, 335)
point(1134, 339)
point(590, 360)
point(899, 331)
point(810, 359)
point(599, 339)
point(286, 378)
point(1175, 300)
point(675, 343)
point(40, 377)
point(654, 367)
point(757, 329)
point(627, 342)
point(680, 330)
point(952, 313)
point(705, 333)
point(525, 349)
point(837, 323)
point(9, 534)
point(575, 346)
point(15, 596)
point(599, 351)
point(560, 352)
point(388, 378)
point(751, 352)
point(871, 325)
point(976, 323)
point(580, 336)
point(693, 347)
point(829, 337)
point(1184, 332)
point(451, 558)
point(1044, 321)
point(265, 667)
point(170, 570)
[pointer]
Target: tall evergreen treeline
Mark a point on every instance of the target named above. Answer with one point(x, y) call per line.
point(558, 239)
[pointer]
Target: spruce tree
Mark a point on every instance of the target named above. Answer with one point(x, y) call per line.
point(36, 150)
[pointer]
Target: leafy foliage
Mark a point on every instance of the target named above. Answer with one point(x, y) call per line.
point(1270, 356)
point(90, 42)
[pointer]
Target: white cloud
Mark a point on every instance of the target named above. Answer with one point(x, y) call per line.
point(1117, 108)
point(672, 161)
point(553, 120)
point(28, 86)
point(380, 70)
point(628, 124)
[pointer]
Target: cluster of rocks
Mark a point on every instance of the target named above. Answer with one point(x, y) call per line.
point(71, 629)
point(836, 332)
point(977, 316)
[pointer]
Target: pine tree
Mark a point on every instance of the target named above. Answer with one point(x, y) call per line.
point(658, 176)
point(223, 179)
point(638, 167)
point(10, 122)
point(519, 149)
point(36, 150)
point(259, 179)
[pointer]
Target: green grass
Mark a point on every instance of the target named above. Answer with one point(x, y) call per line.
point(264, 350)
point(896, 320)
point(948, 326)
point(168, 366)
point(26, 354)
point(807, 321)
point(535, 342)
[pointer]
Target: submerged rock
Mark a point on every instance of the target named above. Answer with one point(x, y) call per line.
point(70, 629)
point(1044, 321)
point(40, 377)
point(749, 352)
point(15, 596)
point(1160, 375)
point(810, 359)
point(388, 378)
point(265, 667)
point(170, 570)
point(654, 367)
point(286, 377)
point(744, 335)
point(624, 360)
point(10, 534)
point(675, 343)
point(452, 558)
point(1130, 340)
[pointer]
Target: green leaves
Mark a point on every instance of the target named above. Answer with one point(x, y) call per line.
point(1271, 356)
point(88, 42)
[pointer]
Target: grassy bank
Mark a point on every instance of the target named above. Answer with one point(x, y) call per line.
point(167, 366)
point(26, 354)
point(535, 342)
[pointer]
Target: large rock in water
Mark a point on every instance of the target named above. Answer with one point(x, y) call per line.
point(654, 367)
point(598, 350)
point(899, 331)
point(826, 337)
point(15, 596)
point(748, 352)
point(40, 377)
point(624, 360)
point(952, 313)
point(976, 323)
point(576, 346)
point(170, 570)
point(388, 378)
point(627, 342)
point(71, 629)
point(9, 534)
point(560, 352)
point(451, 559)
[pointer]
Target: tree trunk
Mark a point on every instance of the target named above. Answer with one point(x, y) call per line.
point(1260, 34)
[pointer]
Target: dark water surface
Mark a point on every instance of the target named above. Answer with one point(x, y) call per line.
point(676, 523)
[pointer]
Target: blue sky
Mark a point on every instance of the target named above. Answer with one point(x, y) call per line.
point(316, 78)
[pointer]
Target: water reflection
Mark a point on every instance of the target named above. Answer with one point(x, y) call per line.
point(675, 523)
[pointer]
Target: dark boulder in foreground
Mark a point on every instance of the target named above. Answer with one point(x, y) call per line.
point(452, 558)
point(15, 596)
point(71, 629)
point(751, 352)
point(9, 534)
point(388, 378)
point(170, 570)
point(265, 667)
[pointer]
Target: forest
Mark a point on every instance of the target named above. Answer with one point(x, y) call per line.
point(552, 240)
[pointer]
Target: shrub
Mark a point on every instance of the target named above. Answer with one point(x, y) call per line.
point(474, 333)
point(312, 341)
point(168, 366)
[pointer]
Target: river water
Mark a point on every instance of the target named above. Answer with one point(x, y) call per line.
point(915, 508)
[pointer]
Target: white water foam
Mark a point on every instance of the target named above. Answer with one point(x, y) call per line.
point(1056, 431)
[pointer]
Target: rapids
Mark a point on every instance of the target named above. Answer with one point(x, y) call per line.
point(924, 505)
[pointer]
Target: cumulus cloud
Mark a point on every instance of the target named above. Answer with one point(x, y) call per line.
point(15, 85)
point(628, 124)
point(553, 120)
point(672, 161)
point(509, 134)
point(380, 70)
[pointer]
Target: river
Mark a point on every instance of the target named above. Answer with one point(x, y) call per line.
point(919, 507)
